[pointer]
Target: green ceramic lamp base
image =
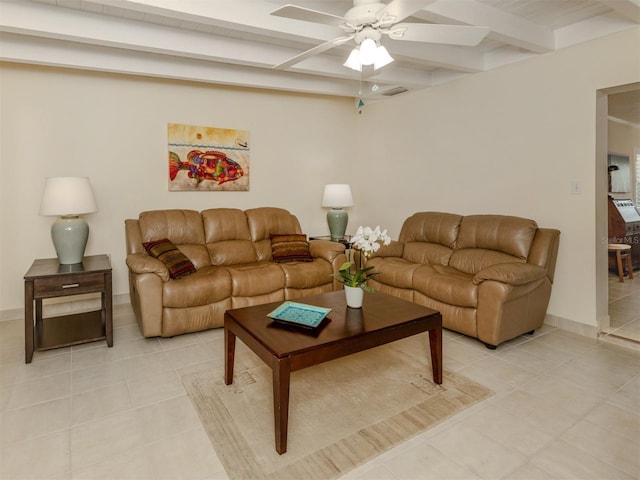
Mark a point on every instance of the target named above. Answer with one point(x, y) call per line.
point(337, 219)
point(69, 234)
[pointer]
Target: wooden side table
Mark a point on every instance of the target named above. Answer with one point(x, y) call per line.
point(346, 240)
point(47, 278)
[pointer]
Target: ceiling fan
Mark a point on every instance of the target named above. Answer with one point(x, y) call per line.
point(371, 19)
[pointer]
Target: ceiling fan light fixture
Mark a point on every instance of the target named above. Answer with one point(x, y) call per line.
point(356, 59)
point(353, 62)
point(382, 58)
point(368, 51)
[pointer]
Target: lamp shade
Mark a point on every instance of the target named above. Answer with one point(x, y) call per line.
point(368, 52)
point(353, 62)
point(382, 58)
point(337, 195)
point(67, 196)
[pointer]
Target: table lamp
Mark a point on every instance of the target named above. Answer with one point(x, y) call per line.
point(337, 196)
point(68, 197)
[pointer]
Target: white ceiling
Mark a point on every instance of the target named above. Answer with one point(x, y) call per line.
point(237, 42)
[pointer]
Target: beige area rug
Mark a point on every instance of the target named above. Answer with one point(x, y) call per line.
point(342, 413)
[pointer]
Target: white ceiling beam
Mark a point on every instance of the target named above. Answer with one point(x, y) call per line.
point(249, 16)
point(74, 25)
point(592, 28)
point(506, 55)
point(87, 27)
point(504, 27)
point(462, 59)
point(59, 53)
point(627, 8)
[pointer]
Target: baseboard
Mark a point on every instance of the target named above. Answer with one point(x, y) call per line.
point(604, 323)
point(62, 305)
point(562, 323)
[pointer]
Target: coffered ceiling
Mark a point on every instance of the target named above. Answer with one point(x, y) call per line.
point(237, 42)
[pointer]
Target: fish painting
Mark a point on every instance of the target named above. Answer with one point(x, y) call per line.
point(209, 165)
point(208, 159)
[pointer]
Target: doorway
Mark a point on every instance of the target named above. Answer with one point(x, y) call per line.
point(621, 136)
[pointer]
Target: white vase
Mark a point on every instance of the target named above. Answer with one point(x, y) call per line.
point(354, 296)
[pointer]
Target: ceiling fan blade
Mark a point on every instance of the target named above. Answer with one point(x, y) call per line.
point(398, 10)
point(308, 15)
point(468, 36)
point(323, 47)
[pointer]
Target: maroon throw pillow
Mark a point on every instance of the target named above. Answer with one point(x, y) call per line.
point(176, 261)
point(291, 247)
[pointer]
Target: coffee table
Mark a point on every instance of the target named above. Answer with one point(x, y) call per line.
point(382, 319)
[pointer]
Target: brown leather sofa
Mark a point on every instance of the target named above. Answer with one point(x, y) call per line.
point(489, 275)
point(232, 255)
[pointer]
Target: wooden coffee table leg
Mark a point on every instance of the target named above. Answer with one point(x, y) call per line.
point(230, 353)
point(435, 343)
point(281, 381)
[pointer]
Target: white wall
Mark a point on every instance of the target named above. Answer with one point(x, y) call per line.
point(113, 129)
point(507, 141)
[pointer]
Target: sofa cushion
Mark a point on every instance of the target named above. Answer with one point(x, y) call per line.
point(308, 274)
point(227, 236)
point(254, 279)
point(176, 262)
point(181, 226)
point(427, 253)
point(446, 285)
point(502, 233)
point(292, 247)
point(431, 227)
point(221, 224)
point(266, 221)
point(231, 252)
point(207, 286)
point(393, 271)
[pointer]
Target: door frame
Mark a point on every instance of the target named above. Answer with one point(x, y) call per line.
point(601, 193)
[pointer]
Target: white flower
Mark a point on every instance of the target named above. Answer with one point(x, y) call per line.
point(368, 240)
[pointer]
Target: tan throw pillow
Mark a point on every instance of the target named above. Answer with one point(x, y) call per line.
point(290, 248)
point(176, 261)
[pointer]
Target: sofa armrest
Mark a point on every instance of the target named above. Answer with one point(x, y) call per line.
point(510, 273)
point(332, 252)
point(394, 249)
point(143, 263)
point(325, 249)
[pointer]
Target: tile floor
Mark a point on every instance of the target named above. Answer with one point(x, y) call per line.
point(565, 407)
point(624, 307)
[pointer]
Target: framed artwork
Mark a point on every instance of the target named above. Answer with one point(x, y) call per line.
point(208, 158)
